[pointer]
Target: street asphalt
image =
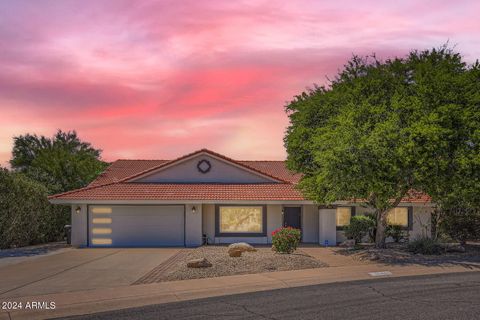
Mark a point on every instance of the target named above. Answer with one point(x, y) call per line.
point(444, 296)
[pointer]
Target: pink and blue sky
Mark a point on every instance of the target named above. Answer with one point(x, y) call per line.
point(157, 79)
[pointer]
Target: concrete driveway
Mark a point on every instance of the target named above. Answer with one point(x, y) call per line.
point(80, 269)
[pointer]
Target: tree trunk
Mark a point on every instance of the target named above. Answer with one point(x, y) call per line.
point(434, 221)
point(381, 226)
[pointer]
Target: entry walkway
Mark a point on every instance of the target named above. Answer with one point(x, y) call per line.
point(331, 256)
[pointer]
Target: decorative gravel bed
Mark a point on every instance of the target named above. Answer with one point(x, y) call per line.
point(398, 254)
point(263, 260)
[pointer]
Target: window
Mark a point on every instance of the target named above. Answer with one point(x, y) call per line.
point(101, 210)
point(398, 216)
point(241, 220)
point(101, 230)
point(102, 220)
point(101, 241)
point(343, 216)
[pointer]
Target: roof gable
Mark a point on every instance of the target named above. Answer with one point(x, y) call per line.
point(204, 166)
point(122, 169)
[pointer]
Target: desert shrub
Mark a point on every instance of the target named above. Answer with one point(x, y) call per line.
point(425, 245)
point(26, 216)
point(461, 224)
point(359, 227)
point(396, 232)
point(285, 240)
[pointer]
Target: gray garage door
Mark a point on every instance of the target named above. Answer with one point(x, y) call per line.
point(136, 226)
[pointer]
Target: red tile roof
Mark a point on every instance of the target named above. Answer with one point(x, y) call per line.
point(274, 168)
point(155, 191)
point(113, 184)
point(416, 196)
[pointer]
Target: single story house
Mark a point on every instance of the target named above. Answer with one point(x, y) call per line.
point(205, 196)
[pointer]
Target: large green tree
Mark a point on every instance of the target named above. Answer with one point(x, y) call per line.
point(26, 217)
point(383, 128)
point(42, 166)
point(61, 163)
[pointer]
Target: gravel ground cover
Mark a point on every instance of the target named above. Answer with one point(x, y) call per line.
point(263, 260)
point(398, 254)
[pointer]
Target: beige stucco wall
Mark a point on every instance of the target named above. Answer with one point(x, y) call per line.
point(193, 225)
point(421, 221)
point(274, 219)
point(327, 226)
point(208, 221)
point(220, 171)
point(79, 226)
point(310, 223)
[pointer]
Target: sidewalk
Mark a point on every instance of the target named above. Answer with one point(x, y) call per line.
point(92, 301)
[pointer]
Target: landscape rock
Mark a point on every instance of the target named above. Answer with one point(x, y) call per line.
point(374, 256)
point(235, 253)
point(349, 243)
point(199, 263)
point(236, 249)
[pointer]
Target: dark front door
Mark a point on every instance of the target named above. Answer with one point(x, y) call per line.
point(291, 217)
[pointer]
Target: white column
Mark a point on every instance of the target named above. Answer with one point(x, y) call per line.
point(79, 226)
point(327, 232)
point(193, 225)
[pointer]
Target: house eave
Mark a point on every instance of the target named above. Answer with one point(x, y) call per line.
point(72, 201)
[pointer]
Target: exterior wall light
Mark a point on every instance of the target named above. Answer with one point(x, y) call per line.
point(78, 210)
point(194, 209)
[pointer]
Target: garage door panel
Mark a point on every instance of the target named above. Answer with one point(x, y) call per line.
point(137, 226)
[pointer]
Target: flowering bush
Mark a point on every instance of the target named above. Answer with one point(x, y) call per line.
point(285, 240)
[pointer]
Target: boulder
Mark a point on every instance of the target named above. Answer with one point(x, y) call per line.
point(235, 253)
point(349, 243)
point(199, 263)
point(241, 246)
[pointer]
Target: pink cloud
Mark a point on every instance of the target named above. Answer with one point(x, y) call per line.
point(145, 79)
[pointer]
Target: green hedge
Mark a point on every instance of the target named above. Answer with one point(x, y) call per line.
point(425, 245)
point(461, 224)
point(26, 216)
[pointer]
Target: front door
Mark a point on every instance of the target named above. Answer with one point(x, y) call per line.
point(292, 217)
